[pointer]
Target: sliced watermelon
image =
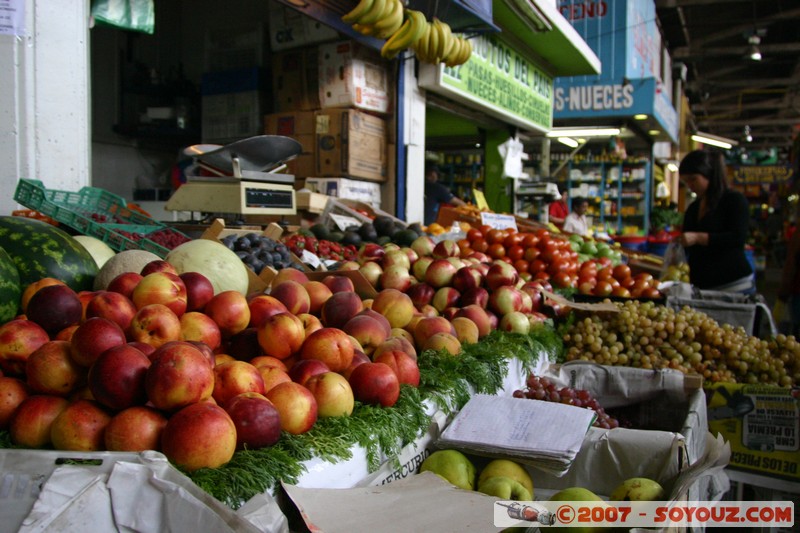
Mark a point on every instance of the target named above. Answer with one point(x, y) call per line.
point(10, 288)
point(40, 250)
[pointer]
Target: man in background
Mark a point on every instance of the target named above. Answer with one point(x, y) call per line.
point(436, 194)
point(576, 221)
point(558, 210)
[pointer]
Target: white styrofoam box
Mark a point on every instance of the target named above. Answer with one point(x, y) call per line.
point(353, 75)
point(364, 191)
point(288, 28)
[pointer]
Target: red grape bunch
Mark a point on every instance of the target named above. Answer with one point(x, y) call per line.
point(541, 388)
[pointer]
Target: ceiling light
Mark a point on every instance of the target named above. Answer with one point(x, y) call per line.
point(714, 140)
point(753, 52)
point(748, 137)
point(654, 132)
point(640, 116)
point(572, 143)
point(603, 131)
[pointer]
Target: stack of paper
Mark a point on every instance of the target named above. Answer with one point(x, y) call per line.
point(546, 435)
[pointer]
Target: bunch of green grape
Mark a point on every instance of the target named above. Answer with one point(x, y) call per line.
point(650, 336)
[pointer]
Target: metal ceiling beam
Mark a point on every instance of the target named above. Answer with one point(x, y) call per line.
point(667, 4)
point(791, 121)
point(740, 29)
point(776, 103)
point(684, 53)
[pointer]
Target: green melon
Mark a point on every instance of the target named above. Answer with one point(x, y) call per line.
point(10, 288)
point(40, 250)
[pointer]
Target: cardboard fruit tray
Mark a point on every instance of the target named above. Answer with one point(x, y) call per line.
point(95, 212)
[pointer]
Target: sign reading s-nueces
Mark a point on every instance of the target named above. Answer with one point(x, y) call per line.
point(498, 80)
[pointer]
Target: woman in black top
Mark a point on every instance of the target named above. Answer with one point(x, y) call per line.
point(715, 226)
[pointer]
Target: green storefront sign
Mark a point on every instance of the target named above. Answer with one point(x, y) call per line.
point(499, 81)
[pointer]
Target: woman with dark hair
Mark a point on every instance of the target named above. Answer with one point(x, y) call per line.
point(715, 226)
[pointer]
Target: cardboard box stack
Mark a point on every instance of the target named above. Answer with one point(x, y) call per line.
point(332, 98)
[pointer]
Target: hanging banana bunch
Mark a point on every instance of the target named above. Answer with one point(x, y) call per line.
point(433, 42)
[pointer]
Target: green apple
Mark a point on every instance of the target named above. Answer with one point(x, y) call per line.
point(574, 494)
point(638, 489)
point(505, 488)
point(507, 468)
point(453, 466)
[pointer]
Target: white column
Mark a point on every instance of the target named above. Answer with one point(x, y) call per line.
point(414, 139)
point(44, 101)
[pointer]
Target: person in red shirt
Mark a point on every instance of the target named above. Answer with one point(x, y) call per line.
point(559, 209)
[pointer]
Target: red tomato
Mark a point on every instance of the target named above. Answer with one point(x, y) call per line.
point(529, 239)
point(496, 250)
point(531, 253)
point(646, 276)
point(557, 266)
point(604, 273)
point(621, 292)
point(541, 232)
point(587, 287)
point(466, 251)
point(561, 280)
point(495, 236)
point(537, 265)
point(521, 265)
point(480, 245)
point(627, 282)
point(588, 267)
point(587, 278)
point(463, 243)
point(515, 252)
point(485, 229)
point(474, 234)
point(513, 239)
point(651, 292)
point(622, 271)
point(604, 261)
point(603, 288)
point(542, 275)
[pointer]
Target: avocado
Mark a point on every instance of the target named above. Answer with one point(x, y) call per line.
point(383, 239)
point(367, 232)
point(305, 232)
point(335, 236)
point(351, 237)
point(320, 231)
point(416, 227)
point(404, 237)
point(384, 225)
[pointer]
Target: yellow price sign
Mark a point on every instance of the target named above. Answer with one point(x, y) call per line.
point(480, 199)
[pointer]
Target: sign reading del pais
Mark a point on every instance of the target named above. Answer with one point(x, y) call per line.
point(497, 80)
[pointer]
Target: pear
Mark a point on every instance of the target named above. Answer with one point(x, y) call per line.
point(453, 466)
point(638, 489)
point(505, 488)
point(575, 494)
point(507, 468)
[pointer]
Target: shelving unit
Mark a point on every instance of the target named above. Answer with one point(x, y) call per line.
point(461, 172)
point(618, 192)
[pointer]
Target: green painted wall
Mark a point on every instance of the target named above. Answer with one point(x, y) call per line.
point(495, 188)
point(440, 123)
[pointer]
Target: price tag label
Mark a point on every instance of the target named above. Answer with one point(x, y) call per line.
point(498, 221)
point(480, 199)
point(310, 259)
point(343, 221)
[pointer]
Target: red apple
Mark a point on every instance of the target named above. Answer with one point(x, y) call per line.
point(440, 273)
point(505, 299)
point(359, 358)
point(201, 435)
point(286, 274)
point(375, 384)
point(51, 370)
point(420, 266)
point(234, 378)
point(466, 330)
point(333, 394)
point(116, 379)
point(262, 307)
point(31, 423)
point(337, 283)
point(402, 364)
point(125, 283)
point(318, 294)
point(445, 297)
point(135, 429)
point(501, 273)
point(367, 331)
point(296, 405)
point(310, 323)
point(146, 349)
point(479, 316)
point(112, 306)
point(429, 326)
point(257, 420)
point(13, 392)
point(423, 245)
point(372, 271)
point(268, 361)
point(332, 346)
point(272, 375)
point(94, 337)
point(199, 290)
point(54, 308)
point(404, 344)
point(281, 335)
point(18, 340)
point(158, 265)
point(370, 251)
point(180, 374)
point(293, 295)
point(478, 296)
point(395, 305)
point(161, 288)
point(230, 310)
point(443, 341)
point(395, 277)
point(304, 369)
point(515, 322)
point(421, 294)
point(445, 248)
point(80, 427)
point(66, 333)
point(341, 307)
point(467, 278)
point(197, 326)
point(156, 325)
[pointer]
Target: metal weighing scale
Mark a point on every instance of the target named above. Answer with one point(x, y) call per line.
point(243, 180)
point(540, 193)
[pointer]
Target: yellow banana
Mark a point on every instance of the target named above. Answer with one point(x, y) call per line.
point(389, 24)
point(467, 51)
point(374, 13)
point(433, 43)
point(398, 41)
point(357, 12)
point(420, 25)
point(456, 50)
point(364, 30)
point(421, 46)
point(446, 38)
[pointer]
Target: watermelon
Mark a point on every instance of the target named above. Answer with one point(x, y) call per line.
point(10, 288)
point(40, 250)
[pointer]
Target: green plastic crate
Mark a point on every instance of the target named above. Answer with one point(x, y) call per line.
point(75, 210)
